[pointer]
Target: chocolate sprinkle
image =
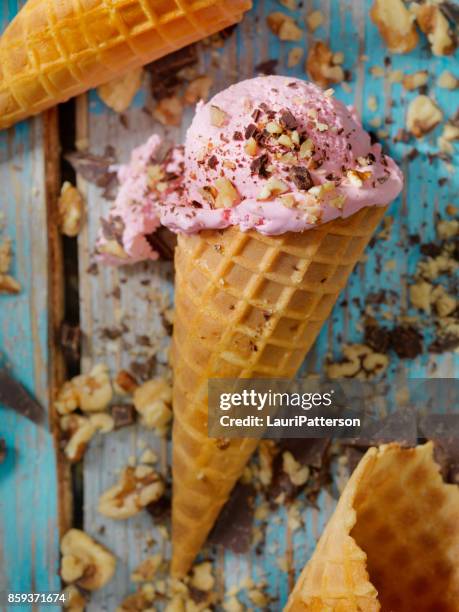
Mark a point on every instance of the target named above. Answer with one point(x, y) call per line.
point(123, 415)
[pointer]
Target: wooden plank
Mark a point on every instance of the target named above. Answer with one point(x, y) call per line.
point(347, 28)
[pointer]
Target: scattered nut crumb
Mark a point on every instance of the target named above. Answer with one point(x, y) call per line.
point(85, 562)
point(70, 208)
point(118, 93)
point(9, 285)
point(415, 80)
point(447, 80)
point(294, 57)
point(436, 27)
point(147, 570)
point(298, 474)
point(284, 26)
point(218, 117)
point(226, 194)
point(198, 89)
point(360, 361)
point(423, 116)
point(314, 20)
point(152, 400)
point(169, 111)
point(202, 577)
point(320, 67)
point(395, 24)
point(149, 457)
point(74, 599)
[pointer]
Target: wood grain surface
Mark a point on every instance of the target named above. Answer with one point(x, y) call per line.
point(134, 297)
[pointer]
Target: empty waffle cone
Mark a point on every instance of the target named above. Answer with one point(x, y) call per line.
point(392, 543)
point(56, 49)
point(247, 305)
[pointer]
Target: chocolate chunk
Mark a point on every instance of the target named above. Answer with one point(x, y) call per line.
point(144, 370)
point(123, 415)
point(111, 333)
point(167, 72)
point(160, 510)
point(287, 120)
point(377, 338)
point(238, 136)
point(267, 67)
point(96, 169)
point(406, 341)
point(93, 269)
point(70, 341)
point(301, 177)
point(256, 114)
point(2, 450)
point(233, 528)
point(430, 249)
point(143, 340)
point(444, 345)
point(258, 166)
point(163, 241)
point(250, 130)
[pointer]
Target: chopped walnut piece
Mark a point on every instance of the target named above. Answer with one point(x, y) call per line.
point(448, 228)
point(290, 4)
point(251, 147)
point(93, 390)
point(284, 26)
point(218, 117)
point(9, 285)
point(294, 57)
point(320, 66)
point(435, 26)
point(137, 487)
point(169, 111)
point(298, 474)
point(125, 383)
point(447, 80)
point(198, 89)
point(103, 422)
point(421, 295)
point(74, 599)
point(152, 400)
point(227, 195)
point(314, 20)
point(118, 93)
point(415, 80)
point(70, 208)
point(202, 577)
point(360, 361)
point(147, 570)
point(273, 187)
point(395, 24)
point(423, 115)
point(85, 562)
point(77, 432)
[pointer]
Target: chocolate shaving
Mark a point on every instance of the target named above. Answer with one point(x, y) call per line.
point(163, 241)
point(14, 396)
point(233, 529)
point(123, 415)
point(250, 130)
point(96, 169)
point(287, 120)
point(213, 162)
point(258, 166)
point(70, 341)
point(301, 177)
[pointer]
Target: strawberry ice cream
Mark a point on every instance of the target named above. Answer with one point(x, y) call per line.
point(274, 154)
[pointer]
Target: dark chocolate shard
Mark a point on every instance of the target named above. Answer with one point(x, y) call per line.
point(14, 396)
point(301, 177)
point(259, 164)
point(288, 120)
point(233, 529)
point(267, 67)
point(123, 415)
point(70, 341)
point(96, 169)
point(163, 241)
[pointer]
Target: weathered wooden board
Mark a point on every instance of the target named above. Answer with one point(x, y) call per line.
point(347, 28)
point(29, 518)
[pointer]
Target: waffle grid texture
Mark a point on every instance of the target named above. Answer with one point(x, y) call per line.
point(56, 49)
point(247, 305)
point(392, 543)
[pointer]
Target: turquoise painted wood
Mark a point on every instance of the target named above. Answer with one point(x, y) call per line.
point(28, 531)
point(29, 540)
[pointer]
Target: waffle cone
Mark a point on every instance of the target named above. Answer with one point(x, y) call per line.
point(392, 543)
point(247, 305)
point(56, 49)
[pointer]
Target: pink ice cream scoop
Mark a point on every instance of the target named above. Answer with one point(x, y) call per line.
point(274, 154)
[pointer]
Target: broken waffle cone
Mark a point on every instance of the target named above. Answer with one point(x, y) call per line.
point(56, 49)
point(392, 543)
point(247, 306)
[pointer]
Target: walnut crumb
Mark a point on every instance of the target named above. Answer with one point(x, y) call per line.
point(284, 26)
point(119, 93)
point(395, 24)
point(70, 208)
point(320, 66)
point(423, 116)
